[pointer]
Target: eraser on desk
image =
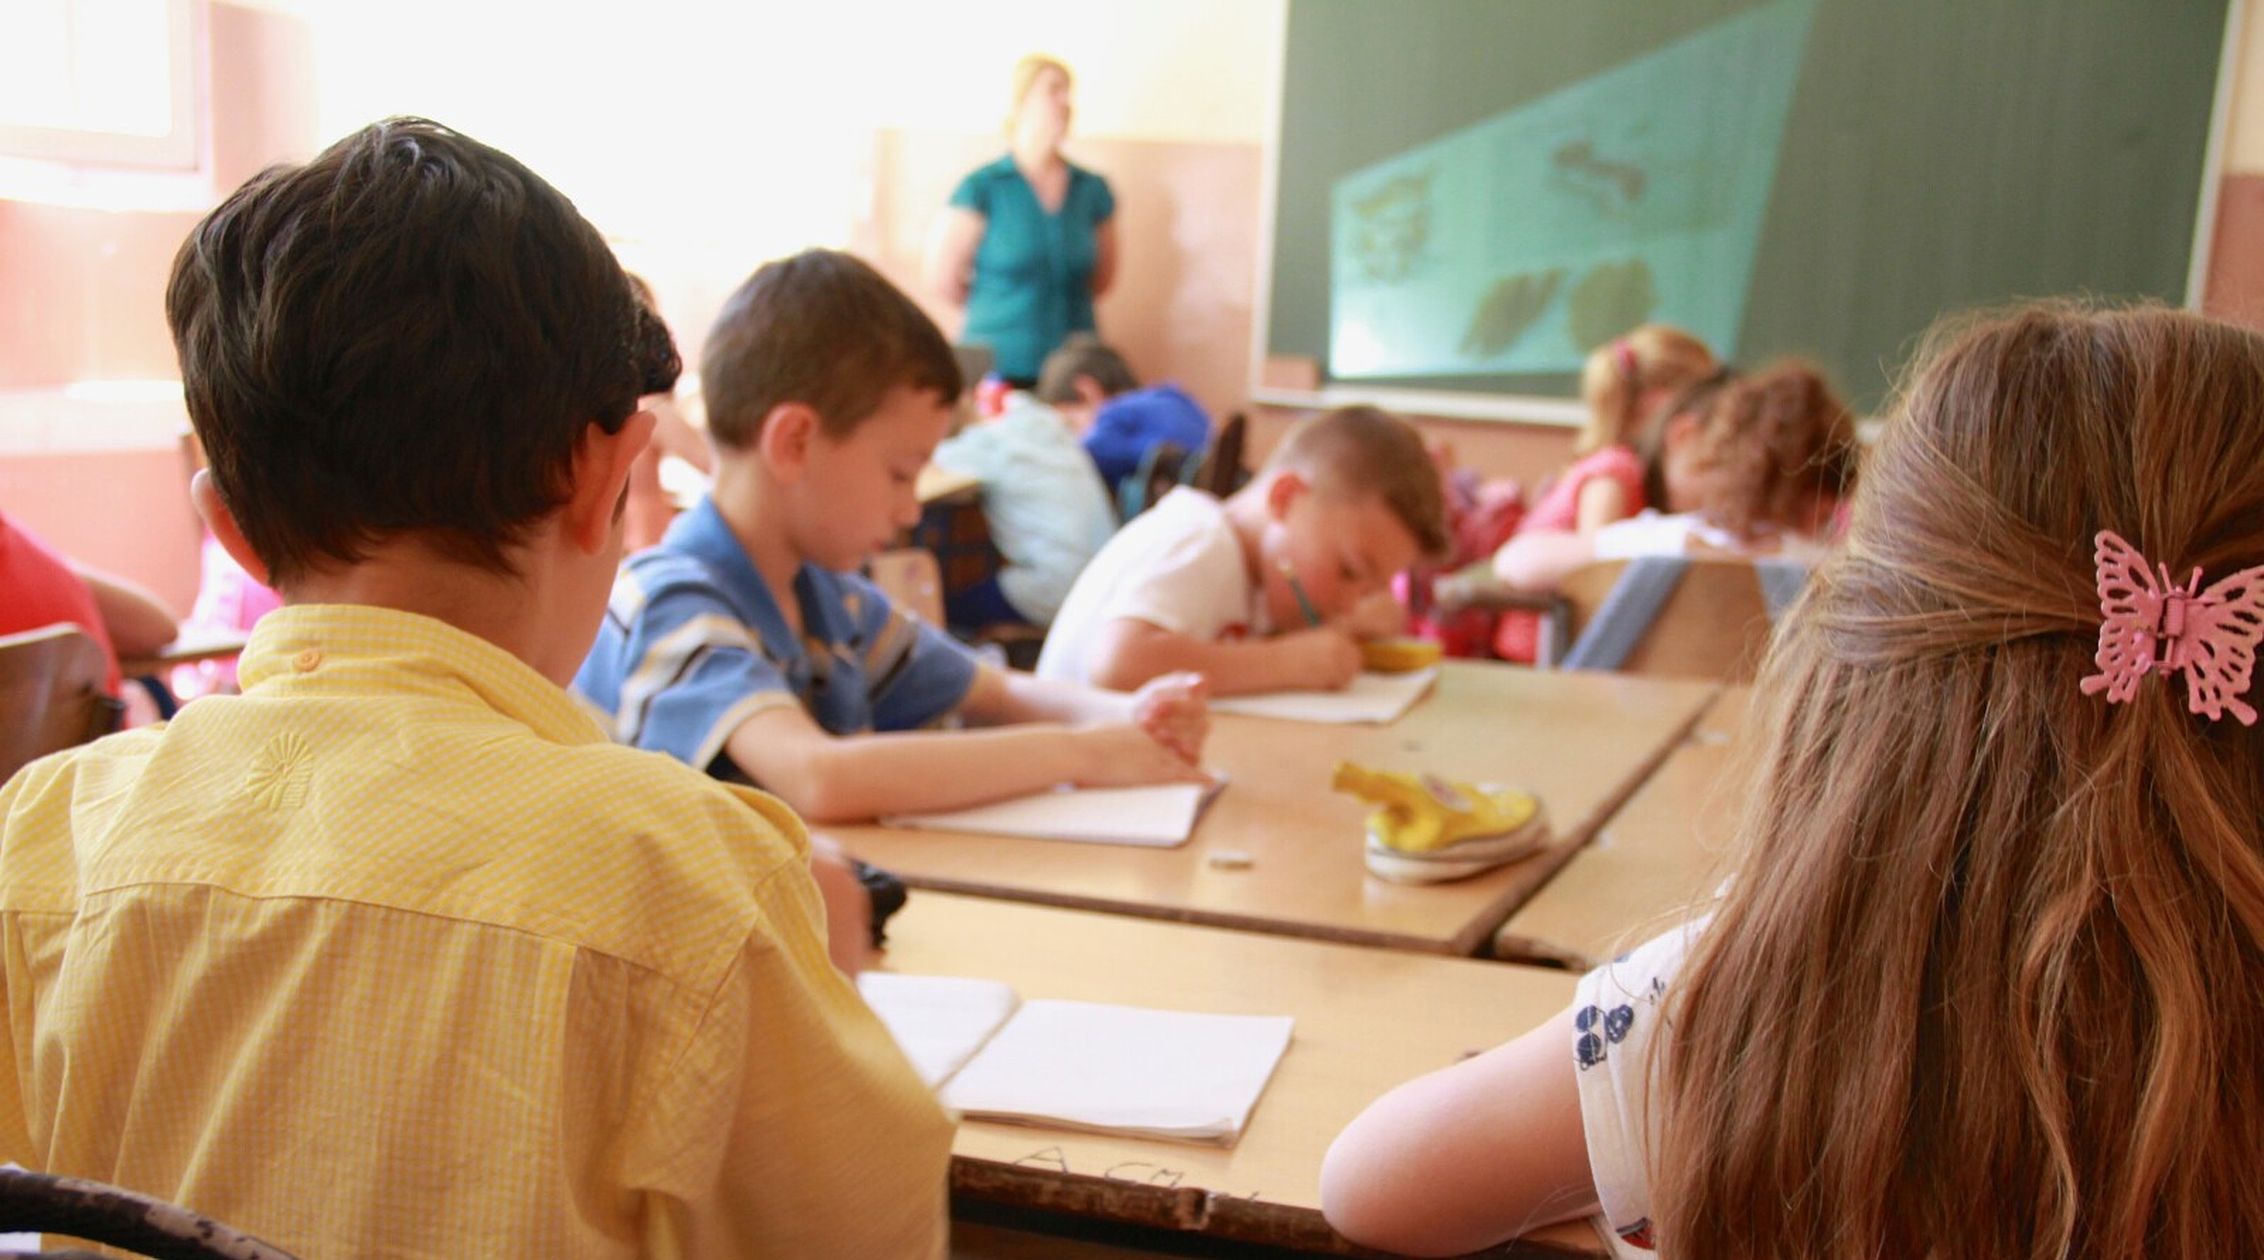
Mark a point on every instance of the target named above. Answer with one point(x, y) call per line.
point(1232, 860)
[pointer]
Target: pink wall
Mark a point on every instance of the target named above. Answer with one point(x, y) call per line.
point(82, 295)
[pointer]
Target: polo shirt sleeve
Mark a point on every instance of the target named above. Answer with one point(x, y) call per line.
point(678, 670)
point(973, 193)
point(915, 674)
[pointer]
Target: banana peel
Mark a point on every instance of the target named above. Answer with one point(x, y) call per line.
point(1425, 829)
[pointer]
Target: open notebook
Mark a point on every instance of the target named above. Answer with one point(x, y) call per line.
point(1375, 698)
point(1159, 817)
point(1080, 1065)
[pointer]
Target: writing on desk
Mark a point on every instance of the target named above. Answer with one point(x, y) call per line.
point(1134, 1171)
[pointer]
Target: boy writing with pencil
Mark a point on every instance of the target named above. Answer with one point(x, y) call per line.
point(745, 645)
point(396, 953)
point(1270, 589)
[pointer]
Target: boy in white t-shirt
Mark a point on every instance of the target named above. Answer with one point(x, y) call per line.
point(1258, 592)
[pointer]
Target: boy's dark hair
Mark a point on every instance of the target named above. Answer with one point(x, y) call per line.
point(407, 333)
point(1083, 354)
point(823, 329)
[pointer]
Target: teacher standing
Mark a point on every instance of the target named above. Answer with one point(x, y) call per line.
point(1029, 240)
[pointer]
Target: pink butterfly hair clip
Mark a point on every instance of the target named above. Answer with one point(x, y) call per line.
point(2150, 624)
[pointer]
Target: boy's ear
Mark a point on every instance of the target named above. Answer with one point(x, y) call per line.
point(222, 522)
point(783, 438)
point(1287, 486)
point(602, 464)
point(1089, 391)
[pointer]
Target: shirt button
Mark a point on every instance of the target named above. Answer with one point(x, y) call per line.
point(305, 661)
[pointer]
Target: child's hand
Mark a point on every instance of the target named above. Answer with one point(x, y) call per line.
point(1324, 658)
point(1175, 711)
point(1118, 755)
point(848, 907)
point(1377, 617)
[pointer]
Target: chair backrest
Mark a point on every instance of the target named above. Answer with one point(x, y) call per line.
point(1222, 472)
point(1162, 466)
point(39, 1203)
point(912, 580)
point(51, 695)
point(1673, 617)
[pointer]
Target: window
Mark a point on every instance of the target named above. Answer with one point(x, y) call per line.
point(109, 82)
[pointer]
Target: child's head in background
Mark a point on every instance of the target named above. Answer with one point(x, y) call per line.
point(1081, 374)
point(1982, 986)
point(828, 389)
point(1627, 379)
point(1755, 455)
point(410, 336)
point(1351, 498)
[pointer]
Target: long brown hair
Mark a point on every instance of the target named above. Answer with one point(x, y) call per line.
point(1782, 437)
point(1986, 983)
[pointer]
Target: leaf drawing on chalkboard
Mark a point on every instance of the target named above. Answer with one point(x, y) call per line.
point(1612, 187)
point(1609, 300)
point(1392, 227)
point(1509, 310)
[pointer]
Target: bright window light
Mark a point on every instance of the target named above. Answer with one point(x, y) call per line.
point(109, 82)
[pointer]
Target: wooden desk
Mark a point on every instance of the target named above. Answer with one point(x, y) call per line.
point(1366, 1021)
point(1656, 855)
point(937, 484)
point(193, 645)
point(1579, 741)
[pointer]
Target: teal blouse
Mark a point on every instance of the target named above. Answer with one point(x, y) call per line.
point(1033, 281)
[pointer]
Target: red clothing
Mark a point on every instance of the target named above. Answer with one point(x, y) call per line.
point(38, 589)
point(1518, 635)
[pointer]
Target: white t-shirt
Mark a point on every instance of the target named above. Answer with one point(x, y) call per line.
point(1616, 1014)
point(1178, 565)
point(1651, 533)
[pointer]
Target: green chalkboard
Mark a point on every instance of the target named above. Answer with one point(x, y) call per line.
point(1471, 193)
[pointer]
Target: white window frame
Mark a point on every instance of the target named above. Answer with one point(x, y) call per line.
point(179, 149)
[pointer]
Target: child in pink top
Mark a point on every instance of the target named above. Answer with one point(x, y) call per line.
point(1624, 384)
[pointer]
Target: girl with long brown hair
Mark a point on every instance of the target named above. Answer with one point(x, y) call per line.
point(1984, 984)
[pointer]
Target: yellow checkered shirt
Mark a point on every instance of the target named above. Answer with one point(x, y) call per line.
point(396, 955)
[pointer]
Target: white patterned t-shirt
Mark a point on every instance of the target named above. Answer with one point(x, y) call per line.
point(1616, 1014)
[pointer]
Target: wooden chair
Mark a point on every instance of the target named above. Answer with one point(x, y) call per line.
point(38, 1203)
point(912, 580)
point(1222, 471)
point(51, 695)
point(1675, 618)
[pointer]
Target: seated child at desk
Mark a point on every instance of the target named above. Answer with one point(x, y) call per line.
point(1981, 987)
point(1046, 507)
point(1624, 385)
point(1257, 592)
point(39, 587)
point(1753, 465)
point(745, 645)
point(396, 953)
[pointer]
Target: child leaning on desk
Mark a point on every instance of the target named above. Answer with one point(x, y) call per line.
point(1983, 986)
point(745, 645)
point(1749, 465)
point(1271, 588)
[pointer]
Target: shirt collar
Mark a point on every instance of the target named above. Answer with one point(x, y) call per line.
point(701, 533)
point(389, 649)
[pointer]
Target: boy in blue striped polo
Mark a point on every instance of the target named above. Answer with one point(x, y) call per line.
point(746, 645)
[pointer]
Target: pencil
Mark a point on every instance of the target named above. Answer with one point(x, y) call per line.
point(1297, 588)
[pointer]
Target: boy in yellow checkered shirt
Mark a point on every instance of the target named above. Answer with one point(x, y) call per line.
point(396, 951)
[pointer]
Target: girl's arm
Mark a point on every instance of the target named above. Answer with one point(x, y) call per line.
point(1104, 255)
point(1469, 1156)
point(950, 265)
point(1602, 500)
point(1536, 563)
